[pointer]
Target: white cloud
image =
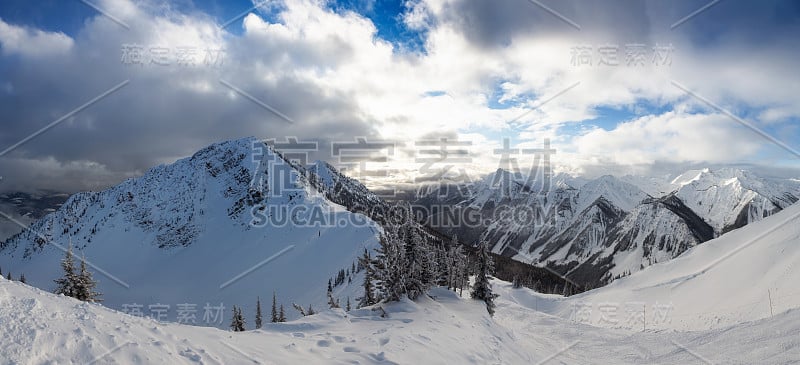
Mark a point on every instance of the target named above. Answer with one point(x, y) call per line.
point(332, 74)
point(32, 42)
point(671, 137)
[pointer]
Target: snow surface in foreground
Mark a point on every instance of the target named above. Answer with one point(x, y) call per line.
point(42, 328)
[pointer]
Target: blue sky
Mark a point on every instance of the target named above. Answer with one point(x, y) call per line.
point(457, 68)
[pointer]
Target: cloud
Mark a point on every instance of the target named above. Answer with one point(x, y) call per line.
point(16, 40)
point(671, 137)
point(336, 79)
point(169, 111)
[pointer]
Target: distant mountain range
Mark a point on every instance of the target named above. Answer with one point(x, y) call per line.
point(182, 231)
point(26, 208)
point(594, 231)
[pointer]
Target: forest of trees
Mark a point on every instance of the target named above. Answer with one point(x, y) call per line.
point(409, 261)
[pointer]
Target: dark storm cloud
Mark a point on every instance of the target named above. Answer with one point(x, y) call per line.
point(164, 112)
point(495, 23)
point(492, 23)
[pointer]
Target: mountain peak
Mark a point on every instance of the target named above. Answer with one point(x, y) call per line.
point(622, 194)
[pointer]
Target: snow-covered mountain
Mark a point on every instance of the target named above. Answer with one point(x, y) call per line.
point(595, 231)
point(232, 222)
point(747, 274)
point(730, 198)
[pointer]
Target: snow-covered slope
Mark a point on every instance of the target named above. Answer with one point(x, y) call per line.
point(42, 328)
point(230, 223)
point(747, 274)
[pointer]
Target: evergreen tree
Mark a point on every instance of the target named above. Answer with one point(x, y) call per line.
point(9, 276)
point(390, 268)
point(463, 271)
point(369, 297)
point(85, 285)
point(259, 319)
point(452, 263)
point(274, 317)
point(332, 303)
point(22, 279)
point(237, 321)
point(443, 266)
point(234, 318)
point(483, 287)
point(405, 263)
point(281, 315)
point(1, 271)
point(458, 275)
point(66, 284)
point(310, 311)
point(347, 308)
point(299, 309)
point(516, 283)
point(417, 267)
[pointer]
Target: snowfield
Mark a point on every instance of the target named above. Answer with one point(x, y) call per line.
point(42, 328)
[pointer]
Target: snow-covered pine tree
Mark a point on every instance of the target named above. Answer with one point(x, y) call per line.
point(457, 262)
point(332, 302)
point(274, 316)
point(463, 270)
point(417, 266)
point(516, 283)
point(241, 320)
point(442, 266)
point(66, 284)
point(234, 320)
point(369, 297)
point(85, 285)
point(390, 268)
point(237, 320)
point(281, 315)
point(9, 277)
point(347, 307)
point(300, 309)
point(453, 262)
point(22, 279)
point(310, 311)
point(483, 287)
point(259, 318)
